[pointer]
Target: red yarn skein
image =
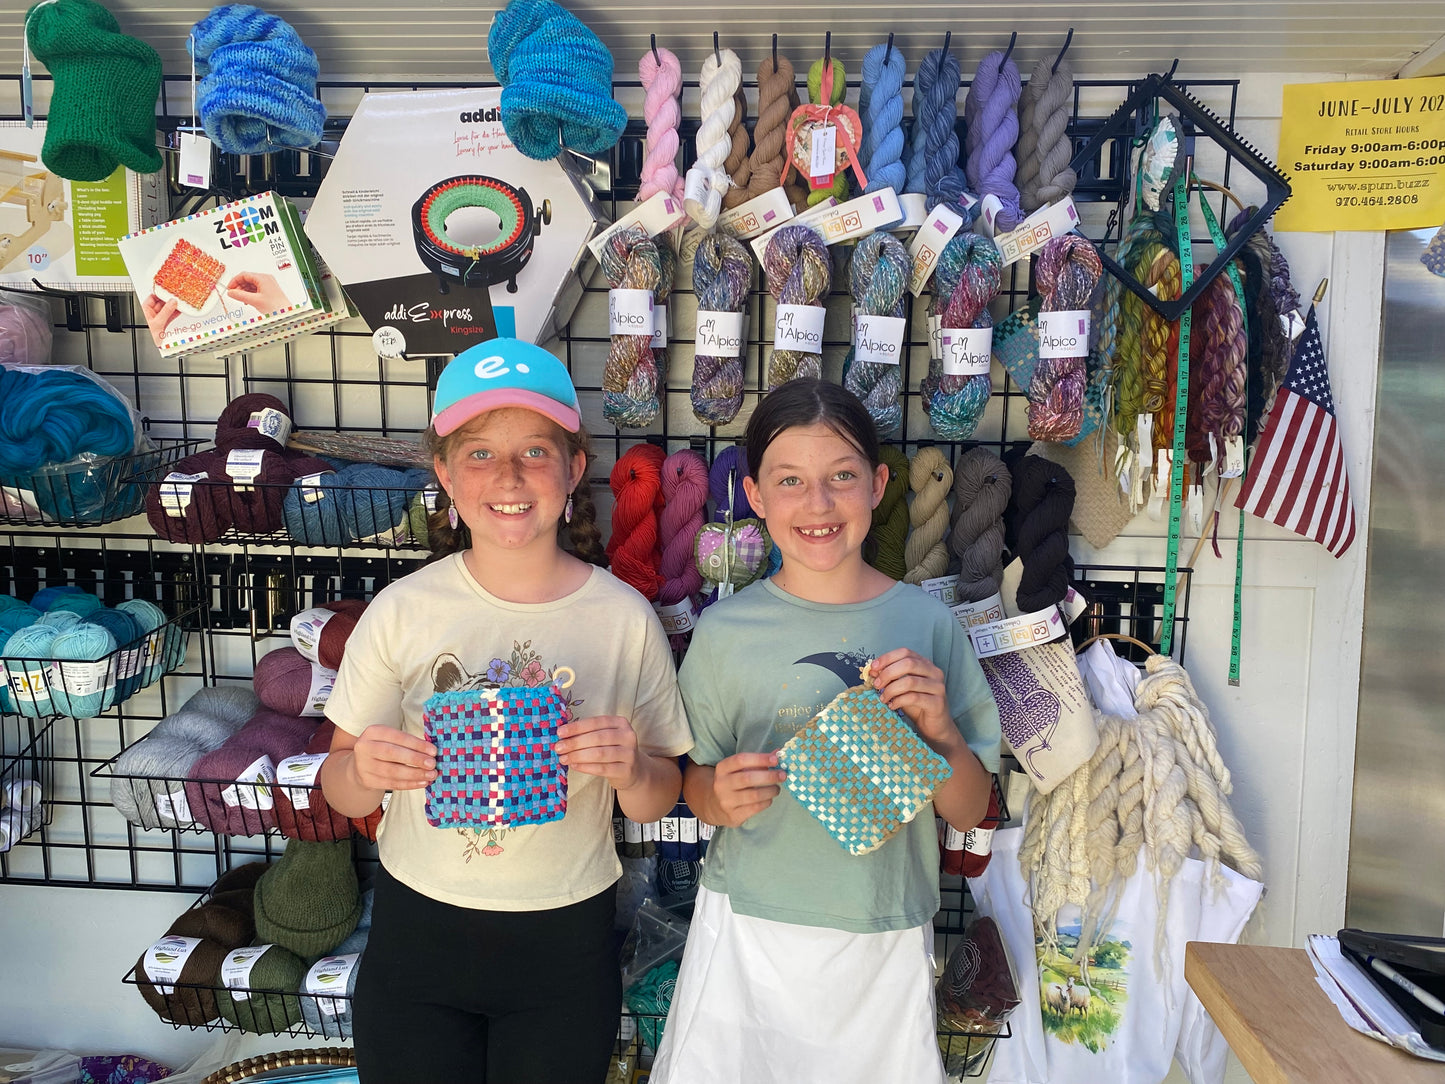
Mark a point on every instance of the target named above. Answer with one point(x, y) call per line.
point(318, 821)
point(203, 519)
point(971, 857)
point(233, 427)
point(283, 680)
point(256, 509)
point(634, 548)
point(684, 495)
point(337, 631)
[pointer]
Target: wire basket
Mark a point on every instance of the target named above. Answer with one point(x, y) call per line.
point(27, 784)
point(98, 490)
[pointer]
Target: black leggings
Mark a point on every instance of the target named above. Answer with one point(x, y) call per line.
point(450, 994)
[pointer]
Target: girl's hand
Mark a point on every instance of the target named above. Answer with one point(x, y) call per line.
point(744, 785)
point(909, 683)
point(602, 745)
point(385, 758)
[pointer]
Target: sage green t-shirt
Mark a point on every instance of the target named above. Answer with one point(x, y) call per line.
point(761, 664)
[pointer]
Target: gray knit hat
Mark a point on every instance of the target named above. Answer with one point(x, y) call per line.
point(309, 900)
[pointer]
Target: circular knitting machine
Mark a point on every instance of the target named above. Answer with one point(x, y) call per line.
point(500, 259)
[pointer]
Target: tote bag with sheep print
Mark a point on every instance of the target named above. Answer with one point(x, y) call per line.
point(1117, 1012)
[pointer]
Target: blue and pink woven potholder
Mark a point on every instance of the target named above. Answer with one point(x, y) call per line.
point(496, 761)
point(861, 769)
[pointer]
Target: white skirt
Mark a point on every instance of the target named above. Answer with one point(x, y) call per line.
point(760, 1001)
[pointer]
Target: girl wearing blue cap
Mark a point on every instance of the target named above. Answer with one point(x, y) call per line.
point(491, 953)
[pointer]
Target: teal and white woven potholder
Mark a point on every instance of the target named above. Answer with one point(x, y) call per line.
point(861, 769)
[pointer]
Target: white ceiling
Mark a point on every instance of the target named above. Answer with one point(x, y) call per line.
point(446, 39)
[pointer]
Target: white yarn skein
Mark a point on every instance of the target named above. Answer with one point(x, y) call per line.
point(707, 180)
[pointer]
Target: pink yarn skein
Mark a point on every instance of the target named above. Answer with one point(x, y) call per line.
point(684, 495)
point(662, 80)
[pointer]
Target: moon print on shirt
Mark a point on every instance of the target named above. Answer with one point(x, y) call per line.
point(846, 664)
point(522, 668)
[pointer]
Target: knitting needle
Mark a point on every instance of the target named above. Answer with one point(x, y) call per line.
point(1060, 59)
point(1012, 41)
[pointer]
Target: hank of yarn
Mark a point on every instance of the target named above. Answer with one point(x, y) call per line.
point(725, 484)
point(374, 501)
point(193, 514)
point(633, 549)
point(244, 423)
point(311, 511)
point(925, 553)
point(836, 89)
point(684, 496)
point(661, 76)
point(257, 92)
point(1044, 149)
point(934, 152)
point(1043, 500)
point(630, 384)
point(878, 276)
point(56, 414)
point(707, 180)
point(1219, 349)
point(969, 272)
point(991, 112)
point(556, 78)
point(798, 272)
point(1067, 274)
point(738, 164)
point(25, 335)
point(253, 505)
point(880, 104)
point(721, 275)
point(777, 98)
point(884, 546)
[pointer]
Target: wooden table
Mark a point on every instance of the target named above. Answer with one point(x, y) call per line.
point(1281, 1025)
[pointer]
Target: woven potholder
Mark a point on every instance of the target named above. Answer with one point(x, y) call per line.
point(861, 769)
point(497, 765)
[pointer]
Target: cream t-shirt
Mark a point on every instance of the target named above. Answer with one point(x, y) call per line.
point(437, 629)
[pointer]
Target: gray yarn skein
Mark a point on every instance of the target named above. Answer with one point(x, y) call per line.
point(152, 758)
point(1044, 148)
point(211, 716)
point(982, 486)
point(339, 1026)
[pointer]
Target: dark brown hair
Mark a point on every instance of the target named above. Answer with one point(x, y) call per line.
point(809, 402)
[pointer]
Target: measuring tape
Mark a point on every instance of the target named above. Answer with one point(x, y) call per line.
point(1181, 412)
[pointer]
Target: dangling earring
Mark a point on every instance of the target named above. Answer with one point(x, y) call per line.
point(452, 516)
point(567, 512)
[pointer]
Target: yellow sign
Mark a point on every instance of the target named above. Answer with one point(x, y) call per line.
point(1363, 156)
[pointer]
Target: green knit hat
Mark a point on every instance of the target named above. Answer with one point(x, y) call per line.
point(266, 1013)
point(309, 901)
point(103, 107)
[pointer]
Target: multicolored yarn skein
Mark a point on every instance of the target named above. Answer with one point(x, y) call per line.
point(721, 276)
point(967, 280)
point(777, 98)
point(1067, 273)
point(633, 549)
point(661, 75)
point(930, 477)
point(878, 277)
point(799, 271)
point(884, 546)
point(1269, 295)
point(684, 497)
point(1044, 149)
point(933, 154)
point(982, 486)
point(1043, 500)
point(722, 75)
point(839, 188)
point(1218, 372)
point(630, 382)
point(880, 104)
point(667, 262)
point(991, 112)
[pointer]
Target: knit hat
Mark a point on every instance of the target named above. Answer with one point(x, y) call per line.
point(258, 91)
point(504, 373)
point(103, 107)
point(356, 943)
point(309, 900)
point(266, 1014)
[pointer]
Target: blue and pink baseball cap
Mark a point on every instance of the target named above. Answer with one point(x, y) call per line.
point(504, 373)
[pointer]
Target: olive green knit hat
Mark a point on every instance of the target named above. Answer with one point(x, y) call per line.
point(103, 106)
point(308, 901)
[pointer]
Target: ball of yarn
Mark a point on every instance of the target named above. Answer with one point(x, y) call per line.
point(10, 602)
point(82, 692)
point(54, 414)
point(631, 386)
point(47, 596)
point(799, 272)
point(167, 651)
point(252, 506)
point(721, 275)
point(303, 812)
point(191, 1002)
point(1043, 500)
point(878, 276)
point(239, 424)
point(201, 518)
point(418, 529)
point(59, 619)
point(13, 620)
point(969, 272)
point(276, 970)
point(374, 500)
point(556, 78)
point(311, 511)
point(636, 481)
point(257, 92)
point(211, 716)
point(213, 920)
point(325, 1024)
point(282, 680)
point(242, 878)
point(338, 629)
point(147, 780)
point(247, 812)
point(24, 656)
point(80, 603)
point(25, 335)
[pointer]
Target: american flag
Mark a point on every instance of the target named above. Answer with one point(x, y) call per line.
point(1297, 476)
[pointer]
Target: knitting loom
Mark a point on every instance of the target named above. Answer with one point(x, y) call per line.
point(497, 764)
point(500, 259)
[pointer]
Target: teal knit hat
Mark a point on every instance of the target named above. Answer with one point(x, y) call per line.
point(103, 108)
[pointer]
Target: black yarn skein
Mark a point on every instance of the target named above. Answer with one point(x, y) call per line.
point(1043, 500)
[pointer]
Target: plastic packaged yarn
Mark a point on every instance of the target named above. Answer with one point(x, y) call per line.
point(25, 335)
point(1067, 272)
point(878, 275)
point(721, 276)
point(630, 382)
point(799, 274)
point(977, 992)
point(969, 272)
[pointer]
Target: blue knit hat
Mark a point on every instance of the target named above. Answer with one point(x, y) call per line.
point(258, 91)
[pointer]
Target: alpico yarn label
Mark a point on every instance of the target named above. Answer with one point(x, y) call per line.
point(720, 334)
point(878, 339)
point(236, 971)
point(1064, 334)
point(659, 326)
point(330, 975)
point(800, 328)
point(166, 959)
point(935, 338)
point(322, 682)
point(176, 492)
point(629, 312)
point(306, 631)
point(967, 351)
point(252, 788)
point(297, 775)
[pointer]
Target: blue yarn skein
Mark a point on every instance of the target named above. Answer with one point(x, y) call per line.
point(880, 102)
point(556, 78)
point(55, 415)
point(933, 162)
point(151, 617)
point(82, 643)
point(377, 499)
point(127, 632)
point(10, 602)
point(23, 653)
point(15, 619)
point(316, 522)
point(82, 603)
point(258, 91)
point(46, 596)
point(59, 619)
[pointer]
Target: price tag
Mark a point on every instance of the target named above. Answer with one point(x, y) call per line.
point(1233, 457)
point(720, 334)
point(252, 788)
point(967, 351)
point(195, 164)
point(799, 327)
point(298, 775)
point(85, 678)
point(879, 339)
point(629, 312)
point(388, 342)
point(330, 975)
point(824, 161)
point(166, 959)
point(173, 808)
point(1064, 334)
point(236, 970)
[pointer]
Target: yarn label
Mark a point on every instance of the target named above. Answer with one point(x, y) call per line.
point(758, 215)
point(939, 228)
point(1050, 221)
point(687, 829)
point(979, 840)
point(952, 838)
point(297, 775)
point(429, 498)
point(631, 831)
point(800, 328)
point(195, 165)
point(85, 678)
point(1016, 633)
point(1064, 334)
point(823, 162)
point(330, 975)
point(983, 612)
point(306, 631)
point(322, 682)
point(30, 684)
point(659, 326)
point(176, 492)
point(166, 959)
point(915, 210)
point(270, 422)
point(1073, 604)
point(252, 788)
point(1233, 457)
point(720, 334)
point(879, 339)
point(677, 618)
point(943, 588)
point(967, 351)
point(935, 338)
point(174, 809)
point(705, 831)
point(242, 466)
point(657, 214)
point(629, 312)
point(236, 971)
point(310, 486)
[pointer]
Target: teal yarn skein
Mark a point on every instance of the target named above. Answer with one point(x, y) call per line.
point(878, 277)
point(77, 690)
point(970, 270)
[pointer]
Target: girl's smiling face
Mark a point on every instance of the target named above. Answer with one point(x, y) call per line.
point(817, 492)
point(508, 472)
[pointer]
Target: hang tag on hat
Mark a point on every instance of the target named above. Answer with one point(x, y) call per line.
point(194, 170)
